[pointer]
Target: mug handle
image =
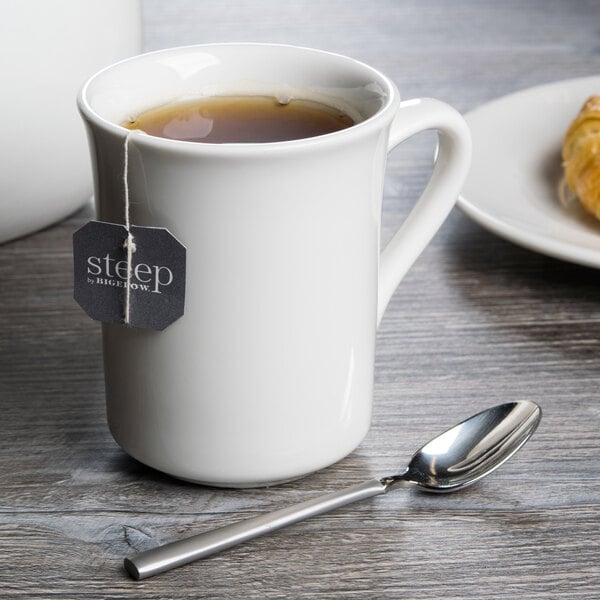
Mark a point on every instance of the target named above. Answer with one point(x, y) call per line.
point(438, 198)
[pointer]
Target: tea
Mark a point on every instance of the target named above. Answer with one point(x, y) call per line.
point(241, 119)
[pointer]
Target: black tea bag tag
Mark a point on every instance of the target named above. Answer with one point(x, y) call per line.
point(155, 279)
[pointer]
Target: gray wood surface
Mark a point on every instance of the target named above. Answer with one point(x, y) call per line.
point(477, 321)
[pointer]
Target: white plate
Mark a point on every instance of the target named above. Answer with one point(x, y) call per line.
point(512, 186)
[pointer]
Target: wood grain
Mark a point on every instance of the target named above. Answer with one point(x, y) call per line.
point(476, 321)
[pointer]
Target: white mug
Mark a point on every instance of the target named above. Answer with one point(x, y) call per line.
point(268, 375)
point(50, 48)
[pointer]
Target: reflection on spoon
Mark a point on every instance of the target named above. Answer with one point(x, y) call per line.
point(455, 459)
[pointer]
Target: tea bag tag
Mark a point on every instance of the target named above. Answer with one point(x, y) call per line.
point(141, 286)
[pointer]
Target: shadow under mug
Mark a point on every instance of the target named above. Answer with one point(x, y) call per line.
point(268, 376)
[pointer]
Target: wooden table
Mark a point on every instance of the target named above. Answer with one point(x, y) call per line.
point(477, 321)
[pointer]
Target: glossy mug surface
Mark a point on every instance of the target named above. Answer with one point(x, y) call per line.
point(268, 376)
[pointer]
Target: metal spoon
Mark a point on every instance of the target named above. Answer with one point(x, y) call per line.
point(457, 458)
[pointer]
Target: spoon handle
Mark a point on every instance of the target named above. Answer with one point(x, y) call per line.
point(175, 554)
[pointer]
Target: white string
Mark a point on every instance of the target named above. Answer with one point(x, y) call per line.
point(129, 243)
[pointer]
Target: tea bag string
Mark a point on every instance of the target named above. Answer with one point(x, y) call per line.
point(129, 243)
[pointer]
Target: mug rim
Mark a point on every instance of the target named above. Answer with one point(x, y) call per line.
point(382, 117)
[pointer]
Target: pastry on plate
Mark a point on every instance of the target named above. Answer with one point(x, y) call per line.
point(581, 157)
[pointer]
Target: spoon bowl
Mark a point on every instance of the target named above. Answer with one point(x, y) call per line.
point(453, 460)
point(472, 449)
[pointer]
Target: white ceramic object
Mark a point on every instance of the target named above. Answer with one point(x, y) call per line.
point(48, 50)
point(268, 375)
point(512, 186)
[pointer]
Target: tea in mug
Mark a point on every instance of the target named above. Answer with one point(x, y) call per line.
point(241, 119)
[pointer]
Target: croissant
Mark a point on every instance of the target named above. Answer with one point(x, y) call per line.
point(581, 156)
